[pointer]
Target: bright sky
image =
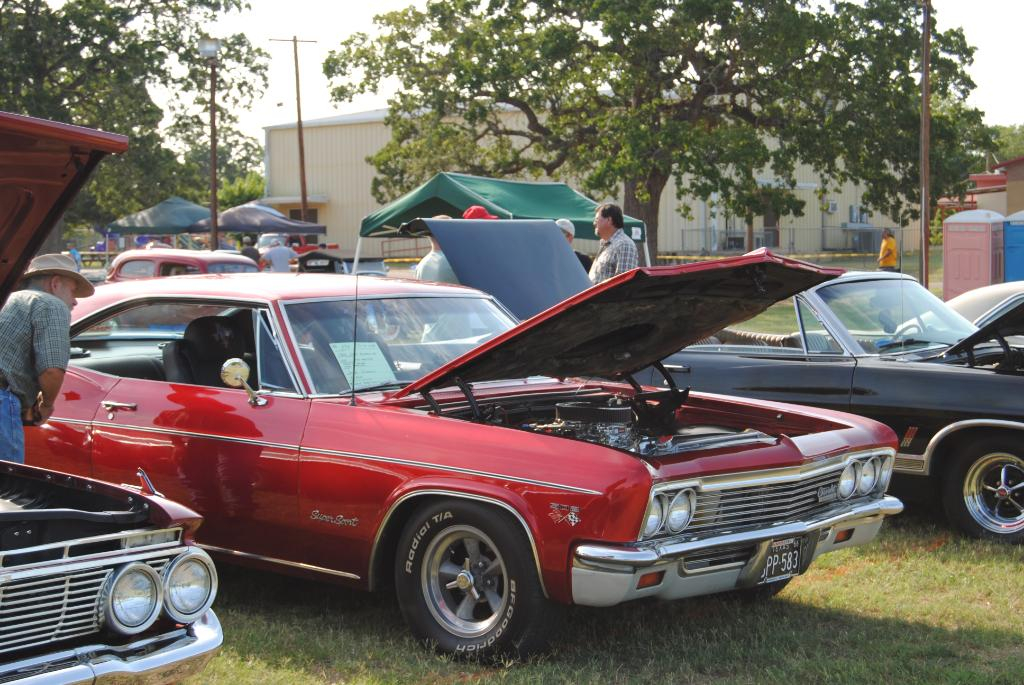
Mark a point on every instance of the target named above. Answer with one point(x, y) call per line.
point(992, 26)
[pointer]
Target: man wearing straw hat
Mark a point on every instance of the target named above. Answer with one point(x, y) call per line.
point(35, 329)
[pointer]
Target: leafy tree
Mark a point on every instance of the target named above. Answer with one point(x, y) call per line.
point(1009, 142)
point(96, 62)
point(240, 190)
point(725, 97)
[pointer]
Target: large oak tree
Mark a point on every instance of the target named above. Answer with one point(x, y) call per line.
point(711, 93)
point(98, 63)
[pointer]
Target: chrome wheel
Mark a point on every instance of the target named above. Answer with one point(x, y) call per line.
point(993, 492)
point(464, 581)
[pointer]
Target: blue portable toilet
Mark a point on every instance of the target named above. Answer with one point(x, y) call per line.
point(1013, 247)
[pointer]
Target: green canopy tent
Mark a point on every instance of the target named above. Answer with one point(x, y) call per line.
point(172, 216)
point(449, 193)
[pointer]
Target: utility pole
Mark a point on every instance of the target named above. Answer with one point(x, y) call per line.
point(298, 113)
point(208, 48)
point(926, 119)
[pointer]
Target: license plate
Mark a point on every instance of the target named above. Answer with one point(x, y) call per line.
point(783, 560)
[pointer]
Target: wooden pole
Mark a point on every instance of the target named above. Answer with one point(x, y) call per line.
point(298, 114)
point(926, 32)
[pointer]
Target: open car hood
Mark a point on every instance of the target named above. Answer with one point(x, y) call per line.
point(527, 265)
point(1010, 322)
point(43, 165)
point(632, 320)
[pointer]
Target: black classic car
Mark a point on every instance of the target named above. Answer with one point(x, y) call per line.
point(881, 345)
point(98, 582)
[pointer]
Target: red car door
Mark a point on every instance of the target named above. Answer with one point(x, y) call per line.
point(210, 449)
point(64, 443)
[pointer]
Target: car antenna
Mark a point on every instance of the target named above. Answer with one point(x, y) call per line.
point(355, 335)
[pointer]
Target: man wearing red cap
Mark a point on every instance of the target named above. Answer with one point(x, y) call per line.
point(477, 212)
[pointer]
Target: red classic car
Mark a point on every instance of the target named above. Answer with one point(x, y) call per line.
point(300, 242)
point(369, 429)
point(98, 582)
point(166, 261)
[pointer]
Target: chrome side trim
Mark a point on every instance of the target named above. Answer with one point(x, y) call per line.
point(282, 562)
point(194, 434)
point(75, 422)
point(910, 463)
point(460, 495)
point(338, 453)
point(649, 555)
point(452, 469)
point(933, 444)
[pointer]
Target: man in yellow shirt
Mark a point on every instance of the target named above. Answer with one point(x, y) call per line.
point(888, 255)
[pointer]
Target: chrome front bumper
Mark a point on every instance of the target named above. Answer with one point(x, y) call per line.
point(166, 658)
point(604, 575)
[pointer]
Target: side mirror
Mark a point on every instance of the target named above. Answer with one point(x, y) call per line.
point(235, 372)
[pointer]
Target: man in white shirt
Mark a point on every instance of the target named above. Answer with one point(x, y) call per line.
point(279, 256)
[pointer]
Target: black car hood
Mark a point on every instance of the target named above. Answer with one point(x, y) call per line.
point(1010, 323)
point(43, 165)
point(633, 320)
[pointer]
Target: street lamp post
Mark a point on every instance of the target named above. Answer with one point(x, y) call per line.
point(208, 48)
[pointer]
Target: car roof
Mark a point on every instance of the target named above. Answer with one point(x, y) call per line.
point(264, 286)
point(173, 253)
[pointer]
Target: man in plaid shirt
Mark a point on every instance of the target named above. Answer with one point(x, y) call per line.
point(617, 252)
point(35, 328)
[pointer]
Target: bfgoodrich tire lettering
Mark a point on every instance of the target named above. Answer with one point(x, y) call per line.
point(466, 582)
point(983, 490)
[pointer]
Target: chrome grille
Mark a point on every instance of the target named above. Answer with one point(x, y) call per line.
point(716, 559)
point(760, 505)
point(44, 604)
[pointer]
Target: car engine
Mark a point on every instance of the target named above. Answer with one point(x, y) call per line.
point(630, 425)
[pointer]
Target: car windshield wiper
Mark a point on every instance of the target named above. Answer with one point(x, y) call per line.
point(903, 343)
point(393, 385)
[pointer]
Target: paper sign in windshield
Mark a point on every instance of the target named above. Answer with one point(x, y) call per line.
point(371, 366)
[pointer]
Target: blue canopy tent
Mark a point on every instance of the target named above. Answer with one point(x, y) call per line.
point(172, 216)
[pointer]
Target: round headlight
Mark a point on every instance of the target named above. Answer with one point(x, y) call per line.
point(680, 511)
point(886, 475)
point(868, 476)
point(848, 481)
point(190, 582)
point(132, 598)
point(655, 514)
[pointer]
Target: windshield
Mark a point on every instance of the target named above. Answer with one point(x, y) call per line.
point(891, 316)
point(267, 239)
point(231, 268)
point(400, 339)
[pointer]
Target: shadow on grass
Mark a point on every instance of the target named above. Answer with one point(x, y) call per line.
point(306, 631)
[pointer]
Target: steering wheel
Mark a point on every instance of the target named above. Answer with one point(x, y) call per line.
point(908, 329)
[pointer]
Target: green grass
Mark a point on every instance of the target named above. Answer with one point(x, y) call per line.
point(920, 605)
